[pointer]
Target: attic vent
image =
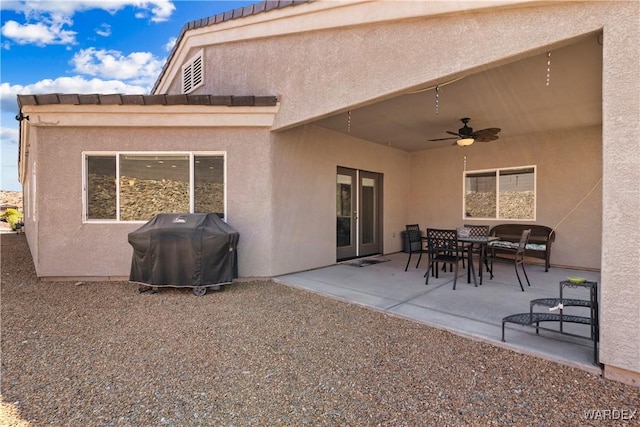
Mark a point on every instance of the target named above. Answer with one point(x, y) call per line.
point(192, 73)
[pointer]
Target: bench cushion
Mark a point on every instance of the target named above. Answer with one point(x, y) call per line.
point(503, 244)
point(514, 245)
point(536, 247)
point(539, 245)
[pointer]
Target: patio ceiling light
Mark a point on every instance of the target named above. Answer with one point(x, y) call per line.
point(465, 141)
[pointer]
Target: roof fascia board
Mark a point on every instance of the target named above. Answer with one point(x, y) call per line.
point(314, 16)
point(56, 115)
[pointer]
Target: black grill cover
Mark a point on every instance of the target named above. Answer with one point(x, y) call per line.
point(184, 250)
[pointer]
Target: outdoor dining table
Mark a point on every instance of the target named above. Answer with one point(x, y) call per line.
point(471, 241)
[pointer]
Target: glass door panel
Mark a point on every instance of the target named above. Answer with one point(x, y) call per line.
point(345, 213)
point(367, 211)
point(358, 213)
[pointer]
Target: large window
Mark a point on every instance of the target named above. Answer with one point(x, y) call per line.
point(508, 193)
point(137, 186)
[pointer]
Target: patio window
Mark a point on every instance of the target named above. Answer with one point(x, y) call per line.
point(137, 186)
point(504, 194)
point(192, 73)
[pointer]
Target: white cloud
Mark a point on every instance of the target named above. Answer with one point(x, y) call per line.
point(40, 34)
point(137, 67)
point(78, 84)
point(75, 84)
point(104, 30)
point(45, 21)
point(160, 10)
point(170, 44)
point(9, 135)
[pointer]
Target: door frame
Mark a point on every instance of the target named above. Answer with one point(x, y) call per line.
point(357, 249)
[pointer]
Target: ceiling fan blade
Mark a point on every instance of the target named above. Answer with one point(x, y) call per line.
point(441, 139)
point(453, 133)
point(488, 131)
point(486, 138)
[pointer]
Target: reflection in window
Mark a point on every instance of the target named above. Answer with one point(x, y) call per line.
point(343, 210)
point(368, 210)
point(208, 184)
point(150, 185)
point(500, 194)
point(137, 186)
point(101, 187)
point(480, 195)
point(517, 194)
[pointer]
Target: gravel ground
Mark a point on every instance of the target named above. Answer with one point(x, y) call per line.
point(260, 353)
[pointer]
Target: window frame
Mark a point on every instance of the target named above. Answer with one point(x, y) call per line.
point(191, 154)
point(189, 66)
point(497, 171)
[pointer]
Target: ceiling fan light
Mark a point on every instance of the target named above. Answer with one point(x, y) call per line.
point(463, 142)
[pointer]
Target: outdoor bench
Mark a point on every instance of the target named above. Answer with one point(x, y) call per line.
point(539, 245)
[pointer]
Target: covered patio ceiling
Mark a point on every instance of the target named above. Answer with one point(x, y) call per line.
point(514, 97)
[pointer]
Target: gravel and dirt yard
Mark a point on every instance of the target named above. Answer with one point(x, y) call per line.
point(259, 353)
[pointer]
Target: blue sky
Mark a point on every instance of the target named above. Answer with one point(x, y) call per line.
point(85, 46)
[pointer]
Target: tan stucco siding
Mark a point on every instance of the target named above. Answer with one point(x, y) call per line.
point(620, 296)
point(568, 192)
point(339, 68)
point(69, 247)
point(304, 176)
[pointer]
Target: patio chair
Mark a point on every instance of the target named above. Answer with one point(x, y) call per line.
point(442, 247)
point(518, 257)
point(479, 231)
point(416, 243)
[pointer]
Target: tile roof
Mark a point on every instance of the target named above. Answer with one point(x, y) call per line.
point(242, 12)
point(118, 99)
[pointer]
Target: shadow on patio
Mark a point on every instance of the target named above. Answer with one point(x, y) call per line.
point(475, 312)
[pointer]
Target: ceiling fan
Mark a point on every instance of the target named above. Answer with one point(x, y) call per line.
point(466, 135)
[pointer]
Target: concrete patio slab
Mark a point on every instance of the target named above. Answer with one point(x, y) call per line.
point(474, 312)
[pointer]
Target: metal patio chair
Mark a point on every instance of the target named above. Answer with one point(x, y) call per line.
point(416, 243)
point(442, 246)
point(518, 257)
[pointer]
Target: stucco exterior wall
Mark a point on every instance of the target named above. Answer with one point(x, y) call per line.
point(620, 296)
point(69, 247)
point(304, 179)
point(569, 190)
point(399, 46)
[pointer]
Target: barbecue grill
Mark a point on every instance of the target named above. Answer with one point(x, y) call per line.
point(196, 251)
